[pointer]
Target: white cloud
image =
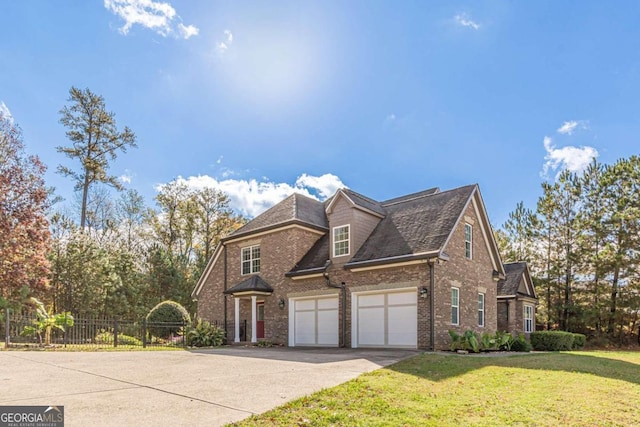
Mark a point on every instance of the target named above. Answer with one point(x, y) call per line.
point(326, 185)
point(155, 15)
point(229, 36)
point(187, 30)
point(251, 197)
point(569, 127)
point(5, 113)
point(125, 179)
point(574, 159)
point(223, 46)
point(465, 20)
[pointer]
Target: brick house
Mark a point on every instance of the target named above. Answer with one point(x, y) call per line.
point(355, 272)
point(517, 299)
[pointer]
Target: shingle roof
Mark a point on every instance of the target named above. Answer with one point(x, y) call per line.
point(514, 271)
point(295, 208)
point(413, 225)
point(252, 284)
point(314, 259)
point(364, 201)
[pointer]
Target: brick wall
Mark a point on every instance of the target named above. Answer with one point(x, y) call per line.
point(470, 276)
point(280, 251)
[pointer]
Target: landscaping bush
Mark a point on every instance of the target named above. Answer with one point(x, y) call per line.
point(552, 340)
point(504, 340)
point(520, 344)
point(167, 319)
point(204, 334)
point(489, 341)
point(579, 340)
point(469, 341)
point(107, 338)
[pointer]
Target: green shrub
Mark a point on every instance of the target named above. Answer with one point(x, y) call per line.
point(579, 340)
point(106, 337)
point(167, 319)
point(471, 341)
point(264, 343)
point(520, 343)
point(552, 340)
point(456, 340)
point(489, 341)
point(204, 334)
point(504, 340)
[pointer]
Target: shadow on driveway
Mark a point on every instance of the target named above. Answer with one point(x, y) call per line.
point(315, 355)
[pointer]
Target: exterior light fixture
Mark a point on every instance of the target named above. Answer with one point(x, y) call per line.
point(423, 292)
point(281, 303)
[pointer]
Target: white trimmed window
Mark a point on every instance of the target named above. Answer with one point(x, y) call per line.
point(468, 241)
point(528, 319)
point(480, 309)
point(251, 259)
point(341, 241)
point(455, 306)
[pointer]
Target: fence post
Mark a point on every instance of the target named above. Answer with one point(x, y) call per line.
point(144, 332)
point(115, 331)
point(64, 334)
point(7, 328)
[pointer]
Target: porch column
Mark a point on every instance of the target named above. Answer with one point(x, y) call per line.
point(236, 319)
point(254, 323)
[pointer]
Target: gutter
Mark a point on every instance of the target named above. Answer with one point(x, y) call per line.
point(432, 305)
point(399, 258)
point(225, 289)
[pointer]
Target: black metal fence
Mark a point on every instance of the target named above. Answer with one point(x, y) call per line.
point(101, 332)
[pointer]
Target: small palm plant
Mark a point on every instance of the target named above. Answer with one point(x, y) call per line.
point(46, 321)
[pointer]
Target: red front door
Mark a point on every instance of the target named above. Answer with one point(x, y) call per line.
point(260, 320)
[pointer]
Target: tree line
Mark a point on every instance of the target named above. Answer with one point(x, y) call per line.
point(582, 243)
point(107, 252)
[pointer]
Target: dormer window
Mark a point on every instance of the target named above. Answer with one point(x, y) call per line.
point(251, 259)
point(341, 241)
point(468, 241)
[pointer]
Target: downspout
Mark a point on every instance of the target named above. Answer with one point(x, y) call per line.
point(432, 314)
point(343, 323)
point(224, 248)
point(344, 315)
point(343, 287)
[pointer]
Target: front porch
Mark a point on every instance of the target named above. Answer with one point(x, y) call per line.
point(255, 291)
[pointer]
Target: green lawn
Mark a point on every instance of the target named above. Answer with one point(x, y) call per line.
point(543, 389)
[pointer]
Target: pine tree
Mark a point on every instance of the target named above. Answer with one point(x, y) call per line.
point(95, 143)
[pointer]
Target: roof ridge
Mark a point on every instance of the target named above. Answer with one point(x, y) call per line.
point(369, 199)
point(422, 194)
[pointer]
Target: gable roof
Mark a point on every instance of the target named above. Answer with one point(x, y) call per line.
point(252, 284)
point(415, 225)
point(517, 274)
point(295, 209)
point(357, 200)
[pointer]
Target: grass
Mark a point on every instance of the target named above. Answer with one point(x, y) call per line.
point(540, 389)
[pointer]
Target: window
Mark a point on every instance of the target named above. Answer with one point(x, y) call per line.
point(251, 260)
point(468, 240)
point(341, 241)
point(455, 306)
point(528, 318)
point(480, 309)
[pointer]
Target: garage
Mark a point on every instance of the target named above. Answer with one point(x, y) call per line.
point(385, 319)
point(313, 321)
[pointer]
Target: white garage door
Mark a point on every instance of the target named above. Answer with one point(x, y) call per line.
point(313, 322)
point(386, 319)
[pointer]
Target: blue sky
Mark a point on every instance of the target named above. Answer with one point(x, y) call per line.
point(263, 98)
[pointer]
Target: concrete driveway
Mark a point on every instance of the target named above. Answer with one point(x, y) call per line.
point(208, 387)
